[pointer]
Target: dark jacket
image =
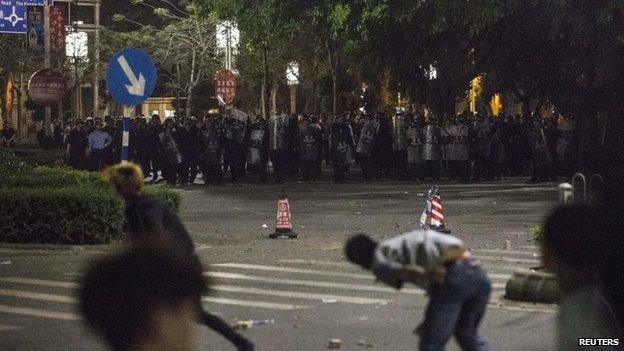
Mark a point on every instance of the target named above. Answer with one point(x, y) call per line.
point(146, 217)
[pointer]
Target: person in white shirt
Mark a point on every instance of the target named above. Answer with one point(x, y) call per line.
point(459, 288)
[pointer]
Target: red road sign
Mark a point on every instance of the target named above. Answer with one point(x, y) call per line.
point(47, 87)
point(225, 86)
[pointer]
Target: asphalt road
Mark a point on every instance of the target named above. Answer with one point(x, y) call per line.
point(305, 284)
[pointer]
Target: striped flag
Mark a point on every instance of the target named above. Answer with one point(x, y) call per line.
point(426, 210)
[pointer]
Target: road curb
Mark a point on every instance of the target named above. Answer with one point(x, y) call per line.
point(61, 247)
point(531, 285)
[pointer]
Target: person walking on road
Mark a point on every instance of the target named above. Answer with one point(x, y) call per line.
point(459, 288)
point(148, 221)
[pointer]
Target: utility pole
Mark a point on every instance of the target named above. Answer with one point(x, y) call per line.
point(96, 60)
point(46, 60)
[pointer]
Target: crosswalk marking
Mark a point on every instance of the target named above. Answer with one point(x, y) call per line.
point(506, 252)
point(34, 312)
point(37, 296)
point(40, 282)
point(309, 283)
point(293, 270)
point(507, 259)
point(5, 327)
point(319, 263)
point(260, 304)
point(299, 295)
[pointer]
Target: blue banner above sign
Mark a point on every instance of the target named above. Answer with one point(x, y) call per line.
point(13, 14)
point(131, 76)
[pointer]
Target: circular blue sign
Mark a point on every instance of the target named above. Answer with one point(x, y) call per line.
point(131, 76)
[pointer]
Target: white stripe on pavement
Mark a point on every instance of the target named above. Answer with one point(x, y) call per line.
point(310, 283)
point(320, 263)
point(503, 252)
point(33, 312)
point(506, 259)
point(299, 295)
point(293, 270)
point(37, 296)
point(5, 327)
point(40, 282)
point(259, 304)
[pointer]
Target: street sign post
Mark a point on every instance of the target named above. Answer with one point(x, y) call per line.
point(47, 87)
point(225, 86)
point(125, 138)
point(13, 14)
point(131, 76)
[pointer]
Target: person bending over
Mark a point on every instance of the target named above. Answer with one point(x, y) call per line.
point(459, 288)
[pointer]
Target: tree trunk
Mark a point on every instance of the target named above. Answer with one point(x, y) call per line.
point(189, 101)
point(274, 99)
point(265, 83)
point(334, 79)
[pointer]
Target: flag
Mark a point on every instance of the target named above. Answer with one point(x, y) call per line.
point(426, 210)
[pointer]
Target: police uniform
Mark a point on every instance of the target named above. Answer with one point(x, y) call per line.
point(258, 150)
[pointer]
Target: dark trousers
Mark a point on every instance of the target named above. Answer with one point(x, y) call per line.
point(98, 159)
point(234, 153)
point(153, 163)
point(456, 308)
point(308, 168)
point(189, 170)
point(433, 169)
point(416, 171)
point(279, 158)
point(340, 172)
point(367, 168)
point(259, 171)
point(170, 172)
point(212, 173)
point(400, 164)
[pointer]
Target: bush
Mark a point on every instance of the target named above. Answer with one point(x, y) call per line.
point(62, 205)
point(39, 157)
point(77, 215)
point(167, 196)
point(43, 176)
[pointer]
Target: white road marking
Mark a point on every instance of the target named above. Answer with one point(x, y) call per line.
point(33, 312)
point(293, 270)
point(319, 263)
point(5, 327)
point(259, 304)
point(299, 295)
point(507, 252)
point(507, 259)
point(37, 296)
point(40, 282)
point(310, 283)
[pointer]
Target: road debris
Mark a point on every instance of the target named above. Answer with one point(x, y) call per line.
point(334, 344)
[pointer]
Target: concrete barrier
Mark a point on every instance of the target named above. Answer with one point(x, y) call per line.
point(532, 286)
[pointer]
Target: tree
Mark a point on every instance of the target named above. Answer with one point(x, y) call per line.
point(184, 48)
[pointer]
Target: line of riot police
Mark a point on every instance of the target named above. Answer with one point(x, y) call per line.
point(287, 147)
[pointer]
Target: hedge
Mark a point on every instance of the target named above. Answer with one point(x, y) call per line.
point(62, 205)
point(44, 176)
point(78, 215)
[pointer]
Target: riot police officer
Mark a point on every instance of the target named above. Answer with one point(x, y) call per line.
point(399, 145)
point(432, 152)
point(279, 134)
point(211, 153)
point(540, 154)
point(188, 141)
point(236, 126)
point(341, 146)
point(170, 151)
point(258, 150)
point(415, 161)
point(365, 146)
point(308, 148)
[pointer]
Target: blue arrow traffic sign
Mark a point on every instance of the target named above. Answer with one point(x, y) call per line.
point(131, 76)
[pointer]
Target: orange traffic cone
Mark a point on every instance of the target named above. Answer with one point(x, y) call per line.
point(283, 226)
point(437, 215)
